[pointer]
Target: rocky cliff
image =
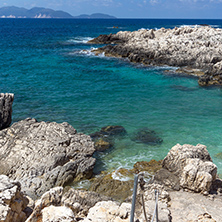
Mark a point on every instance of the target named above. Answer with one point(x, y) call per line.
point(41, 155)
point(198, 48)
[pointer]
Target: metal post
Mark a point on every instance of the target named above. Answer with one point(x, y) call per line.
point(156, 194)
point(134, 198)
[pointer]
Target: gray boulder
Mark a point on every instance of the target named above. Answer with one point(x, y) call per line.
point(175, 160)
point(192, 165)
point(41, 155)
point(6, 101)
point(12, 201)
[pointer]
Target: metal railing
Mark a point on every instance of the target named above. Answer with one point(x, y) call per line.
point(139, 179)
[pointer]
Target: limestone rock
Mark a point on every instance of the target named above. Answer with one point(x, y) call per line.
point(60, 214)
point(52, 197)
point(194, 207)
point(109, 211)
point(80, 201)
point(192, 165)
point(6, 101)
point(198, 175)
point(175, 161)
point(41, 155)
point(167, 178)
point(197, 48)
point(12, 201)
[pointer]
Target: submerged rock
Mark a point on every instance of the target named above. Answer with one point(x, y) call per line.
point(6, 101)
point(104, 139)
point(146, 136)
point(41, 155)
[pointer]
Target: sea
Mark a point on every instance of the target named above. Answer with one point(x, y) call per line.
point(54, 75)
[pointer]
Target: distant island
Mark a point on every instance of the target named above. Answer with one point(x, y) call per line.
point(39, 12)
point(96, 16)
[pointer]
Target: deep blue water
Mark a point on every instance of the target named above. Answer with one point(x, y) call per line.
point(53, 79)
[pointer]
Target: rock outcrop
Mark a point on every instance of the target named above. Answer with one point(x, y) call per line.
point(109, 211)
point(6, 101)
point(13, 203)
point(198, 48)
point(41, 155)
point(67, 206)
point(190, 167)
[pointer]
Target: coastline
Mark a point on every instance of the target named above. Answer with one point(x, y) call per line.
point(55, 154)
point(195, 50)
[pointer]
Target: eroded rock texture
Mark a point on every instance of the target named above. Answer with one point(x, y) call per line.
point(41, 155)
point(198, 48)
point(12, 202)
point(6, 101)
point(192, 167)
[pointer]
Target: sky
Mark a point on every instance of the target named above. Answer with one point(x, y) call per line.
point(209, 9)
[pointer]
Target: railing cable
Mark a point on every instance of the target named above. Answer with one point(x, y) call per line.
point(139, 177)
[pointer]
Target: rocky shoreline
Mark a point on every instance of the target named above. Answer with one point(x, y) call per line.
point(40, 159)
point(197, 51)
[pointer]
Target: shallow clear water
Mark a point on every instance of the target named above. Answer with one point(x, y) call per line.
point(53, 79)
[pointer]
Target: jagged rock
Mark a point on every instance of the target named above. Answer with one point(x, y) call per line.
point(81, 201)
point(12, 202)
point(109, 211)
point(6, 101)
point(42, 155)
point(167, 178)
point(146, 136)
point(197, 48)
point(175, 161)
point(51, 197)
point(192, 165)
point(198, 175)
point(60, 214)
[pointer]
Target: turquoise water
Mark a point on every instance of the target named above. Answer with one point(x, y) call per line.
point(53, 79)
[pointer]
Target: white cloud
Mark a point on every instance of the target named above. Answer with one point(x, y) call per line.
point(153, 2)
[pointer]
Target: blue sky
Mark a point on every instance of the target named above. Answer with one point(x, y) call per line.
point(130, 8)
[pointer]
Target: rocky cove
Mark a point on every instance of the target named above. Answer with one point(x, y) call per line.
point(39, 160)
point(195, 50)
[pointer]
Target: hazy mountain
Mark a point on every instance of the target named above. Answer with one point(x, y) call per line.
point(96, 16)
point(16, 12)
point(39, 12)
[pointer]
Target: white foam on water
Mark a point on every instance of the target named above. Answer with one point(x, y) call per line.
point(80, 40)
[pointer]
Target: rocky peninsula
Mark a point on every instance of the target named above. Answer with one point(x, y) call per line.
point(40, 159)
point(197, 50)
